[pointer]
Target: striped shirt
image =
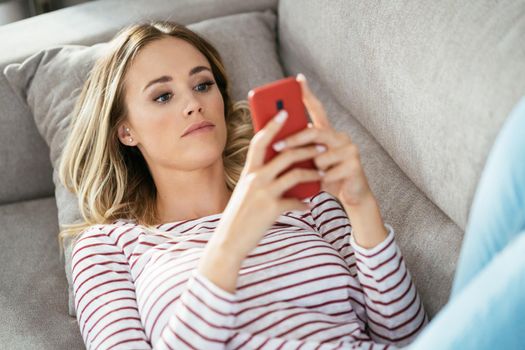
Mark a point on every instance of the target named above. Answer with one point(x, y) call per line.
point(307, 285)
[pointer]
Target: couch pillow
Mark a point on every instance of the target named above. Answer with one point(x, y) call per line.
point(50, 81)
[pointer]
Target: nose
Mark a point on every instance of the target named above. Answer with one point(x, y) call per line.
point(192, 106)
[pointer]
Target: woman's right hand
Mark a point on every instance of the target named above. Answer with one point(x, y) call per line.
point(255, 203)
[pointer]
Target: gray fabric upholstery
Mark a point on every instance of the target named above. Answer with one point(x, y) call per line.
point(26, 171)
point(25, 168)
point(422, 87)
point(34, 289)
point(246, 43)
point(431, 80)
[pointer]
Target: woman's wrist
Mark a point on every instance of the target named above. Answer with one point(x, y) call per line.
point(368, 227)
point(220, 265)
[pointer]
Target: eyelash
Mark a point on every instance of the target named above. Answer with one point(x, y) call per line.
point(207, 83)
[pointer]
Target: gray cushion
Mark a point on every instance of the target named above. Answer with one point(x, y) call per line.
point(26, 170)
point(34, 289)
point(433, 81)
point(50, 82)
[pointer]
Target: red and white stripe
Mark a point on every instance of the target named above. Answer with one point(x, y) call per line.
point(307, 285)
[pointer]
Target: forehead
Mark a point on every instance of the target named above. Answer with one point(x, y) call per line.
point(166, 56)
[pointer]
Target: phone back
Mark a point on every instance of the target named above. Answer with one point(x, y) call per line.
point(265, 101)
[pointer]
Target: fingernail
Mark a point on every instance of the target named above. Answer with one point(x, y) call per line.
point(322, 173)
point(281, 116)
point(301, 76)
point(320, 148)
point(279, 146)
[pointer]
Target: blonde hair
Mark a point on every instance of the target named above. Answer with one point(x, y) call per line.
point(111, 180)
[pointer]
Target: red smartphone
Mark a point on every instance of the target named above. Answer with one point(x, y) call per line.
point(265, 101)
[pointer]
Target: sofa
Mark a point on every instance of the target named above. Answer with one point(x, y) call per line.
point(422, 87)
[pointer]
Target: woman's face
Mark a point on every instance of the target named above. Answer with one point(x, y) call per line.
point(170, 86)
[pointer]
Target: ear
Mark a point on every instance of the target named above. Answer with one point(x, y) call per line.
point(124, 135)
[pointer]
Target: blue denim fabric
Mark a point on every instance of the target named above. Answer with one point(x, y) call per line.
point(486, 309)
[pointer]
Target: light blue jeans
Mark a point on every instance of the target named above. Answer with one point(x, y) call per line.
point(486, 309)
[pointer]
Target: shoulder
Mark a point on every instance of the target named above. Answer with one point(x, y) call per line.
point(104, 233)
point(97, 230)
point(98, 245)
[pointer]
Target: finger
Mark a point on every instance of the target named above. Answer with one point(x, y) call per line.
point(336, 173)
point(261, 140)
point(329, 137)
point(284, 160)
point(313, 104)
point(335, 156)
point(342, 171)
point(292, 178)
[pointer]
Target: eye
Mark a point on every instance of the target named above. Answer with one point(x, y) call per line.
point(205, 86)
point(202, 87)
point(163, 100)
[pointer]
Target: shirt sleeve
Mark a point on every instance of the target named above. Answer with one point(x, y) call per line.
point(107, 310)
point(394, 311)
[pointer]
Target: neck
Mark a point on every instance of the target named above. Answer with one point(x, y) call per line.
point(192, 196)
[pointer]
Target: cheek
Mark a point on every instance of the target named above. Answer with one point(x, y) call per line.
point(218, 107)
point(216, 102)
point(155, 123)
point(157, 129)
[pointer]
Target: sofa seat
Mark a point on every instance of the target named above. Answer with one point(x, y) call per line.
point(33, 294)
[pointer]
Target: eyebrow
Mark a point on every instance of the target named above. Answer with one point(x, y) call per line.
point(167, 78)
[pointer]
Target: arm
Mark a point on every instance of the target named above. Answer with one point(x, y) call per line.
point(107, 310)
point(393, 308)
point(368, 228)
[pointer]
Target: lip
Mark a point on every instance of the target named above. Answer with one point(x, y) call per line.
point(196, 126)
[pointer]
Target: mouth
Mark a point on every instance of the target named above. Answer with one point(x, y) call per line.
point(198, 127)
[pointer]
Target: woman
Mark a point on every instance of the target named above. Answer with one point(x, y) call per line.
point(183, 244)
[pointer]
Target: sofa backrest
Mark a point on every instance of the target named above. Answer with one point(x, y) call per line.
point(432, 81)
point(25, 167)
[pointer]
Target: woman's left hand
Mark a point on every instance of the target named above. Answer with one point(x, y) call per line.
point(344, 176)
